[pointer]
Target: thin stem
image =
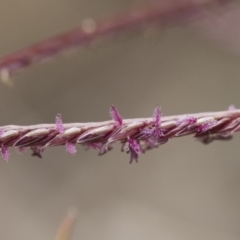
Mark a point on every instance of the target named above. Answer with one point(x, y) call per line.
point(161, 12)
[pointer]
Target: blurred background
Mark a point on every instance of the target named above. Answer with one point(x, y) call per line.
point(182, 190)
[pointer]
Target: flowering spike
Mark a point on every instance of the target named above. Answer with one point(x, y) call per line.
point(5, 152)
point(59, 123)
point(137, 135)
point(116, 117)
point(71, 148)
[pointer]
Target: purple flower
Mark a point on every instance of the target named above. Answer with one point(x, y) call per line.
point(157, 115)
point(155, 132)
point(116, 117)
point(4, 152)
point(70, 147)
point(133, 148)
point(59, 123)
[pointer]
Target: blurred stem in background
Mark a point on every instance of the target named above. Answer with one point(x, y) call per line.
point(162, 12)
point(66, 228)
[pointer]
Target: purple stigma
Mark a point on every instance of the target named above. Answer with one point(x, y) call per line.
point(5, 152)
point(157, 115)
point(59, 123)
point(155, 132)
point(134, 150)
point(71, 148)
point(116, 117)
